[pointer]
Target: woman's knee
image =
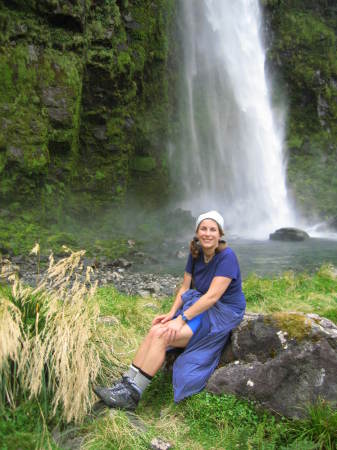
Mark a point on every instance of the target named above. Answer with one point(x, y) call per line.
point(157, 332)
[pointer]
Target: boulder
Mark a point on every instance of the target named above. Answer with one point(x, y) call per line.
point(284, 361)
point(289, 234)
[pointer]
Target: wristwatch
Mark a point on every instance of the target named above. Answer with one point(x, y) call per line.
point(185, 319)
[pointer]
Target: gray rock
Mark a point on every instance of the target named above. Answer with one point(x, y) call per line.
point(284, 361)
point(128, 17)
point(154, 287)
point(55, 99)
point(323, 109)
point(33, 53)
point(182, 254)
point(159, 444)
point(136, 421)
point(121, 262)
point(108, 320)
point(129, 122)
point(15, 153)
point(289, 234)
point(143, 293)
point(67, 439)
point(133, 25)
point(100, 133)
point(151, 306)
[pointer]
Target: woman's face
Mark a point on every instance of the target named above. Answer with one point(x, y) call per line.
point(208, 234)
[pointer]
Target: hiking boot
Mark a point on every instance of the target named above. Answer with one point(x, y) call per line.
point(120, 384)
point(125, 397)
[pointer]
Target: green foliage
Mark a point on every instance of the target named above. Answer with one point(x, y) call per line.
point(304, 54)
point(226, 422)
point(290, 292)
point(143, 163)
point(24, 427)
point(124, 63)
point(320, 427)
point(20, 229)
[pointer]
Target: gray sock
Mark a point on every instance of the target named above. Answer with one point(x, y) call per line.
point(140, 382)
point(131, 373)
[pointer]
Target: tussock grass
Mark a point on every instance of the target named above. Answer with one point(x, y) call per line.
point(11, 341)
point(52, 336)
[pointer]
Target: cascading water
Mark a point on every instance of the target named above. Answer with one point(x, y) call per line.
point(229, 155)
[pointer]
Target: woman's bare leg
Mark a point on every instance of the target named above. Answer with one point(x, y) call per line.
point(150, 357)
point(144, 347)
point(151, 354)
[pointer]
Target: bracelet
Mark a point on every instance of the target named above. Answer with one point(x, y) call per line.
point(185, 319)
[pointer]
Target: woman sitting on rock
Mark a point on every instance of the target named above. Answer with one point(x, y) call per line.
point(199, 321)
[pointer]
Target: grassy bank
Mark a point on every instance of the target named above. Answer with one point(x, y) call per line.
point(113, 329)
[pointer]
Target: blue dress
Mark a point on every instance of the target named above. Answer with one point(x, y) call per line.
point(200, 358)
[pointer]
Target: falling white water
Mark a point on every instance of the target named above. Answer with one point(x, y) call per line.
point(229, 155)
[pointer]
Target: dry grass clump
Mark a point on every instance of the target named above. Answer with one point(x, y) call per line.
point(10, 326)
point(10, 344)
point(52, 334)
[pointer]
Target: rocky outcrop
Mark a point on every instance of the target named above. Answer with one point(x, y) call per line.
point(83, 92)
point(289, 234)
point(284, 361)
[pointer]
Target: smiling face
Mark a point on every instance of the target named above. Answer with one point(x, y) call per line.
point(208, 234)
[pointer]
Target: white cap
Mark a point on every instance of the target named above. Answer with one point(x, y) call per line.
point(214, 215)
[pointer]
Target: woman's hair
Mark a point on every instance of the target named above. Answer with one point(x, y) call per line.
point(195, 245)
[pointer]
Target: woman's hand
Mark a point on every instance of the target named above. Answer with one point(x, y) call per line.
point(163, 318)
point(173, 327)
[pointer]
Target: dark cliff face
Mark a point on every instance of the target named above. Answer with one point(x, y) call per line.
point(83, 96)
point(302, 58)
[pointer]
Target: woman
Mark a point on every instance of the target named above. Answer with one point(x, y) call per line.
point(199, 321)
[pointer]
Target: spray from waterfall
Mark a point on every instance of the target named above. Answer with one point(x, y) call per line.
point(229, 155)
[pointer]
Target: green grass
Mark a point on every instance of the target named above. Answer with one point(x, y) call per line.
point(316, 293)
point(204, 421)
point(24, 428)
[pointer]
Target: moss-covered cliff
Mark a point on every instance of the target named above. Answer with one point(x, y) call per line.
point(83, 97)
point(302, 55)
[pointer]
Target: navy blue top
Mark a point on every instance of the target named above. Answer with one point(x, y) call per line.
point(223, 264)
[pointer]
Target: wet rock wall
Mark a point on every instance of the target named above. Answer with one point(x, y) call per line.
point(84, 97)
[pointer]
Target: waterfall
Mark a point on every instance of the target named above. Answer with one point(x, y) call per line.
point(229, 154)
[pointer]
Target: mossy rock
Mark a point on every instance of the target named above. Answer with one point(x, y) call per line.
point(298, 326)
